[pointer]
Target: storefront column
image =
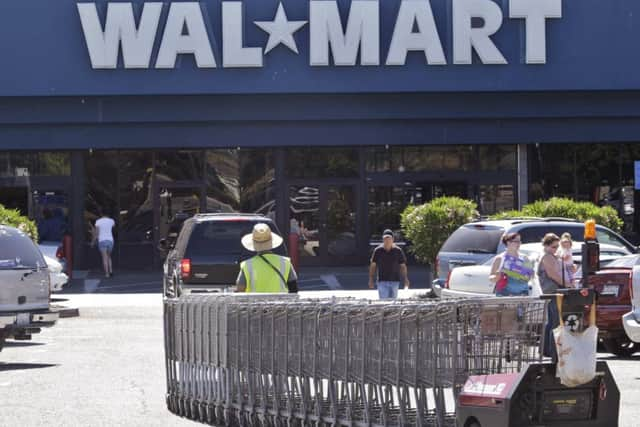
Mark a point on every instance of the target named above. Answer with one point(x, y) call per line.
point(523, 172)
point(78, 194)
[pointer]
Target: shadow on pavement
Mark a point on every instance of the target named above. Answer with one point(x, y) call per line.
point(22, 344)
point(23, 366)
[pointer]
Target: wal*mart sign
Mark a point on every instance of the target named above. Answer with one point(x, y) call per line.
point(336, 37)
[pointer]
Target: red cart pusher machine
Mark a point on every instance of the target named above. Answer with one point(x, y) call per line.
point(535, 396)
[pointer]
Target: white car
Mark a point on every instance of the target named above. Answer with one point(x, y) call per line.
point(473, 280)
point(57, 277)
point(631, 320)
point(56, 265)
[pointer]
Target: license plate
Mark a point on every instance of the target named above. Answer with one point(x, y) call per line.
point(23, 319)
point(610, 290)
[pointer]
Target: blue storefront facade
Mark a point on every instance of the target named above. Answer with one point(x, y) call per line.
point(328, 115)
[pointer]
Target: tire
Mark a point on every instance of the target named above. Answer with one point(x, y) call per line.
point(621, 347)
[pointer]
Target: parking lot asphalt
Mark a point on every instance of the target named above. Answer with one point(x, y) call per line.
point(309, 279)
point(106, 367)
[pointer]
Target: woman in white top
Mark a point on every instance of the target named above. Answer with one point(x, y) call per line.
point(104, 235)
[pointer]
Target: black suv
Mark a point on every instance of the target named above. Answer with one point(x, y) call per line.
point(207, 254)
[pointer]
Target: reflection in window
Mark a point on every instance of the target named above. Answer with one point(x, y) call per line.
point(420, 158)
point(496, 198)
point(136, 200)
point(179, 165)
point(304, 219)
point(322, 162)
point(223, 180)
point(47, 163)
point(102, 187)
point(498, 157)
point(241, 180)
point(341, 221)
point(385, 206)
point(257, 186)
point(176, 205)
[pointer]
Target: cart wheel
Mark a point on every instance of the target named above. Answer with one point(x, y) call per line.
point(621, 347)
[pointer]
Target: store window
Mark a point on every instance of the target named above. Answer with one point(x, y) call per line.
point(496, 198)
point(135, 219)
point(385, 206)
point(47, 163)
point(498, 157)
point(223, 180)
point(241, 180)
point(322, 162)
point(424, 158)
point(258, 181)
point(101, 170)
point(579, 171)
point(179, 165)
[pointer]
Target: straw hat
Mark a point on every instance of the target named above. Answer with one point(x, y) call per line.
point(261, 239)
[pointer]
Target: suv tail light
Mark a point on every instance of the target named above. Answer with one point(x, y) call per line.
point(631, 286)
point(446, 283)
point(185, 268)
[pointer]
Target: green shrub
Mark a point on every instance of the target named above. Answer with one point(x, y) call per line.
point(567, 208)
point(13, 218)
point(427, 226)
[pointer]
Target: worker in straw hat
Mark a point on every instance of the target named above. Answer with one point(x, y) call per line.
point(265, 271)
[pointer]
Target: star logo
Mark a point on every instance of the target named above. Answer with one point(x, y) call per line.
point(280, 30)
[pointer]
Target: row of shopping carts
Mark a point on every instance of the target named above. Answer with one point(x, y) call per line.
point(283, 360)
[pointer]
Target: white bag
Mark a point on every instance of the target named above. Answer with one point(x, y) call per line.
point(576, 351)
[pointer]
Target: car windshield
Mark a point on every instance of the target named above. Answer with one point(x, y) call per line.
point(18, 251)
point(474, 238)
point(534, 234)
point(220, 238)
point(625, 262)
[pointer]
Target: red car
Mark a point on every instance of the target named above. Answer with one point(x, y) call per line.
point(613, 287)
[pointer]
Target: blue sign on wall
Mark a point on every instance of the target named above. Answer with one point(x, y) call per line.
point(316, 46)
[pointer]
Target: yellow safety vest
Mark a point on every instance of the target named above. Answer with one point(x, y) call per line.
point(262, 278)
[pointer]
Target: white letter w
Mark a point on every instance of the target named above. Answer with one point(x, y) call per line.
point(120, 28)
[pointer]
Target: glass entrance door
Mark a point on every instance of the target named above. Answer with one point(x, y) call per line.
point(174, 205)
point(324, 218)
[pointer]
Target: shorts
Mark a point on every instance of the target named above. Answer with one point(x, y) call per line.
point(105, 245)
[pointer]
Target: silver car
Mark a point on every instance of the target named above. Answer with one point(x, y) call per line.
point(475, 243)
point(24, 287)
point(472, 281)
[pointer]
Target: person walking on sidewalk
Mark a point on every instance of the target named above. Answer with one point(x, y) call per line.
point(104, 235)
point(391, 264)
point(265, 272)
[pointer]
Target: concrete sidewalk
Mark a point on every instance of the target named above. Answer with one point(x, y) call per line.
point(309, 279)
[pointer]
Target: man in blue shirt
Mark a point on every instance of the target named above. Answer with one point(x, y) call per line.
point(391, 264)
